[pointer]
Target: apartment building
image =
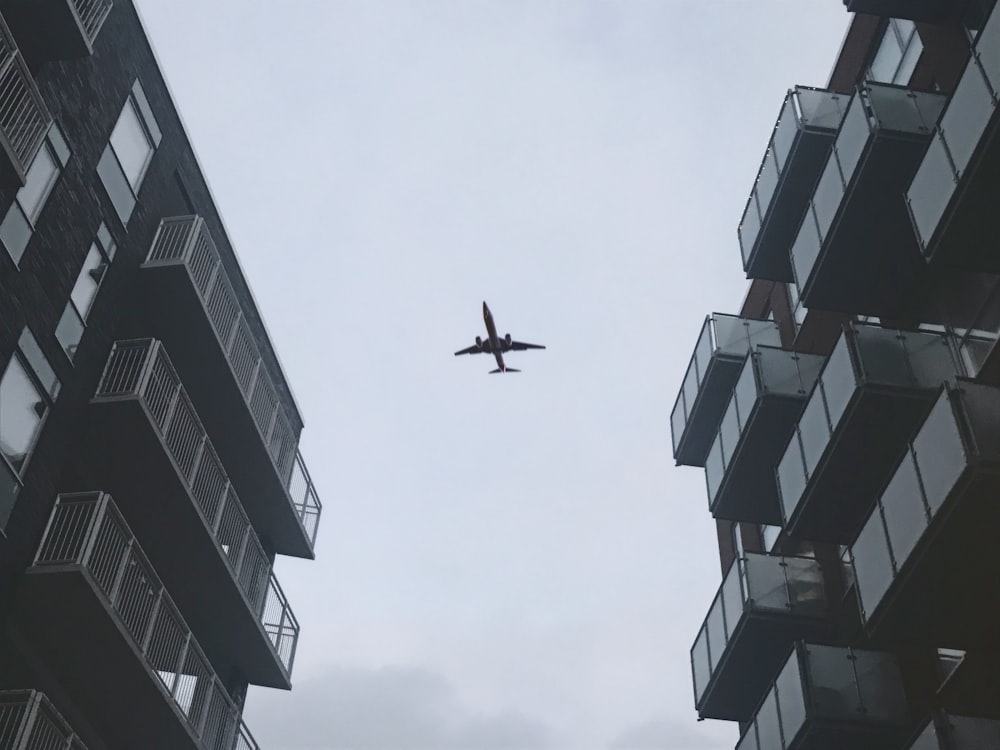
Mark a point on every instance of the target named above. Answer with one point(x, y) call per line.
point(149, 464)
point(847, 414)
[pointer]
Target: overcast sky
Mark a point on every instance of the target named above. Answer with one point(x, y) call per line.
point(504, 561)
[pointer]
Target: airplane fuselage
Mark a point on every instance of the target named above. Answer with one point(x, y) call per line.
point(491, 332)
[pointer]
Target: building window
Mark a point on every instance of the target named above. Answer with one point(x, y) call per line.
point(18, 225)
point(770, 536)
point(795, 302)
point(71, 325)
point(28, 387)
point(897, 54)
point(130, 149)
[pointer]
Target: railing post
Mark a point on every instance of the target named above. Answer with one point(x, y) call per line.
point(189, 241)
point(120, 574)
point(217, 521)
point(181, 658)
point(154, 613)
point(196, 464)
point(94, 531)
point(232, 335)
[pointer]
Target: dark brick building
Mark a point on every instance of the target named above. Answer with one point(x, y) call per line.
point(149, 463)
point(848, 417)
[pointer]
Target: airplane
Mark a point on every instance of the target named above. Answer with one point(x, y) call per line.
point(495, 345)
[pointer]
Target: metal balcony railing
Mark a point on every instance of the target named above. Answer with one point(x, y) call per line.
point(91, 14)
point(24, 118)
point(186, 240)
point(141, 369)
point(28, 721)
point(87, 531)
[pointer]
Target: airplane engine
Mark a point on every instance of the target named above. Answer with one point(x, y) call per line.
point(479, 341)
point(507, 340)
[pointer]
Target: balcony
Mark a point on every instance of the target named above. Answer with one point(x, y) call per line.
point(931, 11)
point(949, 732)
point(766, 402)
point(28, 721)
point(217, 351)
point(921, 562)
point(57, 29)
point(723, 344)
point(831, 697)
point(952, 196)
point(855, 251)
point(872, 395)
point(795, 155)
point(116, 639)
point(764, 604)
point(155, 457)
point(24, 118)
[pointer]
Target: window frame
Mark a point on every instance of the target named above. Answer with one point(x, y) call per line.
point(906, 44)
point(106, 248)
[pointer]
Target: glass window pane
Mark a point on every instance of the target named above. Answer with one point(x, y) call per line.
point(814, 430)
point(105, 240)
point(59, 145)
point(749, 740)
point(931, 190)
point(85, 289)
point(769, 535)
point(69, 331)
point(38, 362)
point(745, 393)
point(827, 195)
point(903, 507)
point(38, 183)
point(15, 232)
point(852, 138)
point(831, 673)
point(909, 61)
point(117, 186)
point(9, 487)
point(887, 58)
point(872, 565)
point(968, 114)
point(940, 452)
point(766, 582)
point(805, 586)
point(732, 597)
point(880, 685)
point(22, 407)
point(805, 249)
point(147, 113)
point(768, 729)
point(839, 380)
point(131, 144)
point(791, 700)
point(791, 477)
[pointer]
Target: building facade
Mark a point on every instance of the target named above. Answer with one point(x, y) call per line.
point(847, 417)
point(149, 462)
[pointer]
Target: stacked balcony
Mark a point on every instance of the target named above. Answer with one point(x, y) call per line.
point(931, 11)
point(216, 350)
point(28, 721)
point(723, 345)
point(952, 198)
point(855, 251)
point(154, 455)
point(870, 399)
point(950, 732)
point(764, 604)
point(829, 697)
point(58, 29)
point(766, 401)
point(93, 603)
point(927, 540)
point(24, 118)
point(795, 155)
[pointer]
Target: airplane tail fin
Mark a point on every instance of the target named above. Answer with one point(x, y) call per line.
point(509, 369)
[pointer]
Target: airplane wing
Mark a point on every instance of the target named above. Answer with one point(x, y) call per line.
point(474, 349)
point(520, 346)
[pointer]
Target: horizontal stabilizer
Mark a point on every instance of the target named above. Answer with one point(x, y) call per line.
point(509, 369)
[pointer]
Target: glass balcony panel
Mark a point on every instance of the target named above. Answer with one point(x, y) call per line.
point(882, 357)
point(903, 507)
point(745, 393)
point(806, 594)
point(677, 420)
point(779, 372)
point(988, 50)
point(853, 137)
point(791, 700)
point(767, 180)
point(691, 384)
point(700, 663)
point(834, 691)
point(768, 724)
point(732, 597)
point(904, 111)
point(820, 109)
point(828, 195)
point(880, 685)
point(729, 431)
point(805, 250)
point(703, 352)
point(928, 739)
point(971, 733)
point(749, 740)
point(838, 380)
point(766, 587)
point(791, 477)
point(909, 62)
point(931, 357)
point(810, 367)
point(814, 429)
point(873, 572)
point(716, 632)
point(749, 227)
point(967, 116)
point(784, 133)
point(715, 468)
point(931, 189)
point(940, 453)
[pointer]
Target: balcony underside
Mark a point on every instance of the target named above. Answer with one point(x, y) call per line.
point(947, 591)
point(65, 617)
point(752, 658)
point(769, 257)
point(870, 262)
point(182, 323)
point(131, 462)
point(971, 689)
point(818, 734)
point(915, 10)
point(857, 461)
point(48, 29)
point(702, 424)
point(748, 491)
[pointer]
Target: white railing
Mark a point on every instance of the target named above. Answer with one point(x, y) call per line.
point(185, 240)
point(24, 118)
point(28, 721)
point(87, 531)
point(141, 369)
point(92, 14)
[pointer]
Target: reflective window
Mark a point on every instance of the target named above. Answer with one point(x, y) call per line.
point(130, 149)
point(897, 54)
point(71, 325)
point(131, 144)
point(18, 225)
